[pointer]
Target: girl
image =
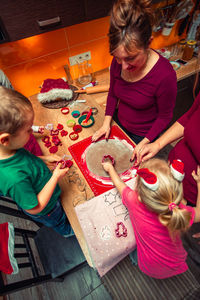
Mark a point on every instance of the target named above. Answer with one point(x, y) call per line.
point(158, 216)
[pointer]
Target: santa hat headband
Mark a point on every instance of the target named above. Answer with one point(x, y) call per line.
point(177, 169)
point(148, 178)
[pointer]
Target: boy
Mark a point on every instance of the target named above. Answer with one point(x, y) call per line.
point(25, 177)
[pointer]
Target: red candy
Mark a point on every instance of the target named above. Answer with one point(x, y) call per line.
point(64, 132)
point(60, 126)
point(53, 149)
point(46, 139)
point(65, 163)
point(47, 144)
point(73, 136)
point(56, 140)
point(77, 128)
point(54, 132)
point(65, 110)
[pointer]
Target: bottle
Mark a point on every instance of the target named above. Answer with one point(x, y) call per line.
point(189, 50)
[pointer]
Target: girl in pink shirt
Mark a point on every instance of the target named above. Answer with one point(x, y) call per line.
point(158, 216)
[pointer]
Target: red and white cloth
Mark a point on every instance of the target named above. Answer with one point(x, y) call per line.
point(53, 89)
point(8, 263)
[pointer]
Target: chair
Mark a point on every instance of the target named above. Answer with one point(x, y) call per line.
point(59, 257)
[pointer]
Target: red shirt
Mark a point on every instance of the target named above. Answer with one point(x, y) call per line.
point(145, 106)
point(188, 149)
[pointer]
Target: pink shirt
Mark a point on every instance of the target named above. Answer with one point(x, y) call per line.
point(158, 255)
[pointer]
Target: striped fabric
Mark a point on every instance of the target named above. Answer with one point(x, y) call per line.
point(127, 282)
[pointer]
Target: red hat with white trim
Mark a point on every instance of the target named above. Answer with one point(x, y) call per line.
point(177, 169)
point(8, 263)
point(148, 178)
point(53, 89)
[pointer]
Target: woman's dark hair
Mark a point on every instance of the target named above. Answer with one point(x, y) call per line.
point(130, 24)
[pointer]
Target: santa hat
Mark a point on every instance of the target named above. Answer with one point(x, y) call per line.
point(8, 263)
point(148, 178)
point(53, 89)
point(177, 169)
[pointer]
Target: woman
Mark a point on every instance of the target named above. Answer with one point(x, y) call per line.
point(143, 83)
point(187, 149)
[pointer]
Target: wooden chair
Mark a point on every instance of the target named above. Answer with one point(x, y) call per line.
point(58, 257)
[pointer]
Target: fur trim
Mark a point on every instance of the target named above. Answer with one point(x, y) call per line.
point(54, 94)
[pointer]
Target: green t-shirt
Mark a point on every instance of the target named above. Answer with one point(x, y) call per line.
point(22, 177)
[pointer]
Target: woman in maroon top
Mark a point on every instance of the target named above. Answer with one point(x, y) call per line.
point(187, 149)
point(143, 84)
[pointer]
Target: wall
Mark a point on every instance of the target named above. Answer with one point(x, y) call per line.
point(29, 61)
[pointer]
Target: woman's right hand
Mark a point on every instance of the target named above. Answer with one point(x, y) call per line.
point(104, 130)
point(148, 151)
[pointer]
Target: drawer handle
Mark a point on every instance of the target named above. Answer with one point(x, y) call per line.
point(49, 21)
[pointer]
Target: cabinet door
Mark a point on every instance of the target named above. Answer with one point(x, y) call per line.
point(26, 18)
point(97, 9)
point(71, 11)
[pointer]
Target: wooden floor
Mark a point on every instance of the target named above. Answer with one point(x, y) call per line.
point(82, 284)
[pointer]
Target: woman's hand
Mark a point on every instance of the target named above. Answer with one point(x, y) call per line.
point(60, 173)
point(104, 130)
point(137, 151)
point(196, 175)
point(146, 152)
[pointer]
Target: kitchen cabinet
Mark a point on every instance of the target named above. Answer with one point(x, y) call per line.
point(22, 19)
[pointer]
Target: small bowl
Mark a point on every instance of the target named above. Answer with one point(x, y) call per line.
point(88, 124)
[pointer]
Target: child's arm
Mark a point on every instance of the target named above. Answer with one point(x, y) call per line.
point(108, 167)
point(196, 176)
point(45, 194)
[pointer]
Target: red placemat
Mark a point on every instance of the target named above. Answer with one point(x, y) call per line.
point(79, 148)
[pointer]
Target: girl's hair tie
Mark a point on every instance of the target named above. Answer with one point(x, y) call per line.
point(171, 206)
point(177, 169)
point(148, 178)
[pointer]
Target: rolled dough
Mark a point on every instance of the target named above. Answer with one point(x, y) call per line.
point(120, 152)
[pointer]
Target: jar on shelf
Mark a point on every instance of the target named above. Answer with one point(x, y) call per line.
point(189, 50)
point(181, 46)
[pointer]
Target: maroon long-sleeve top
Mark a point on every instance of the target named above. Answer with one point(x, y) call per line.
point(188, 149)
point(145, 106)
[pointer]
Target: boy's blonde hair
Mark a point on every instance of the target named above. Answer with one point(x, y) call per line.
point(13, 110)
point(169, 190)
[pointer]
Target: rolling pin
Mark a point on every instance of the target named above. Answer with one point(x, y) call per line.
point(94, 89)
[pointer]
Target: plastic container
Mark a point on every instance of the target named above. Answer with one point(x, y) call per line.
point(88, 124)
point(189, 50)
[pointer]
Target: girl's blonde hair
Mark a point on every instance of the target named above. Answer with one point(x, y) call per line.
point(169, 190)
point(13, 110)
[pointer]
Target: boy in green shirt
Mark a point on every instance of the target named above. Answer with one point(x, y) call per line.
point(24, 177)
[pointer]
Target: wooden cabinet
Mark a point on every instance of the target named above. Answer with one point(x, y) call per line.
point(22, 19)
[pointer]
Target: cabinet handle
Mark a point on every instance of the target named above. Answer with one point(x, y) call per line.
point(49, 21)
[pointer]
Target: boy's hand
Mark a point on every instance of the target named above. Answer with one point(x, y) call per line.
point(107, 166)
point(50, 160)
point(60, 173)
point(196, 175)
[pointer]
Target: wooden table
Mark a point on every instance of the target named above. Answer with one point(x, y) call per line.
point(74, 187)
